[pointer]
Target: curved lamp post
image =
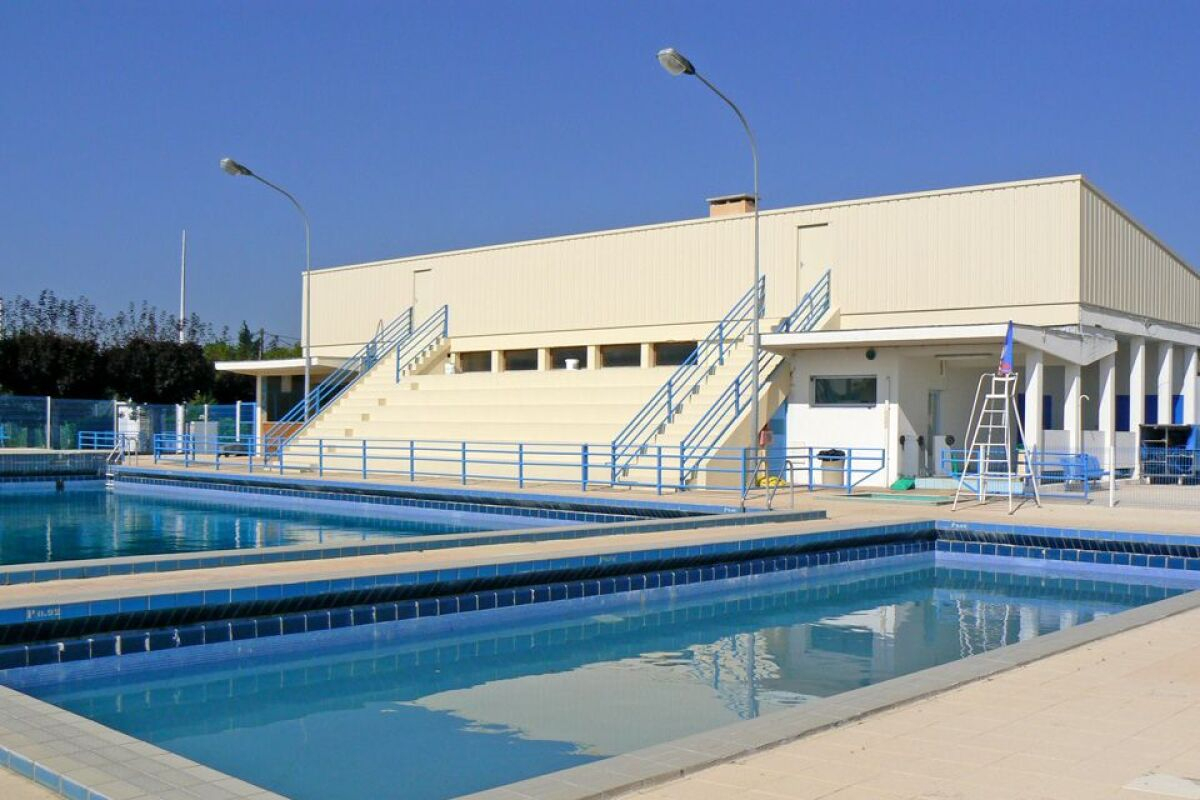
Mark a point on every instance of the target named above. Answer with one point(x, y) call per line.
point(675, 63)
point(234, 168)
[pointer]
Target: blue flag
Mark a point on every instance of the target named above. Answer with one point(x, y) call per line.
point(1006, 355)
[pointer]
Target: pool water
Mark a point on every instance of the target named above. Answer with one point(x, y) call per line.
point(97, 524)
point(427, 713)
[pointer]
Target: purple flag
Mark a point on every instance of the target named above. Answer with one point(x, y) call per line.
point(1006, 355)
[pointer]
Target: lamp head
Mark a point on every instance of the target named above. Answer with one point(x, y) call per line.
point(234, 168)
point(674, 62)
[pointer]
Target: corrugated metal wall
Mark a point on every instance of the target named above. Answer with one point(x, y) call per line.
point(980, 248)
point(1124, 269)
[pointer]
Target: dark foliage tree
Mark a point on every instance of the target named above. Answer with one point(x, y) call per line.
point(51, 364)
point(148, 371)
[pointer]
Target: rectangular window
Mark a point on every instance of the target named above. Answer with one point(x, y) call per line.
point(845, 391)
point(515, 360)
point(478, 361)
point(621, 355)
point(560, 355)
point(672, 354)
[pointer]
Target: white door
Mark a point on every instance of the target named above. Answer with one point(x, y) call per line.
point(812, 258)
point(421, 302)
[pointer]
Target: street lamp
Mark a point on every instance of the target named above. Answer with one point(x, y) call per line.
point(676, 63)
point(234, 168)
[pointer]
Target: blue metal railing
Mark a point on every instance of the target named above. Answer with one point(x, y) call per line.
point(426, 336)
point(95, 440)
point(342, 378)
point(810, 309)
point(662, 406)
point(1052, 468)
point(710, 430)
point(582, 465)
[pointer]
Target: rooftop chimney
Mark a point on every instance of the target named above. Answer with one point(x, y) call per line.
point(730, 204)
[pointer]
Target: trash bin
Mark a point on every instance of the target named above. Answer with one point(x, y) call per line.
point(833, 467)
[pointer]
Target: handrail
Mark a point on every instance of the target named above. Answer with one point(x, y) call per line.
point(337, 382)
point(581, 464)
point(810, 309)
point(435, 328)
point(716, 422)
point(687, 377)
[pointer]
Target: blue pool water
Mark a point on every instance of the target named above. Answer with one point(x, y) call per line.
point(97, 524)
point(432, 709)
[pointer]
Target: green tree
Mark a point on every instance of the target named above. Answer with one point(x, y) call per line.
point(149, 371)
point(51, 364)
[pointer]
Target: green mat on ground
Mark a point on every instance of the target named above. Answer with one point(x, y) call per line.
point(904, 484)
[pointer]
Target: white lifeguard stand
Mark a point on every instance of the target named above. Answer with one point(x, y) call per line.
point(991, 442)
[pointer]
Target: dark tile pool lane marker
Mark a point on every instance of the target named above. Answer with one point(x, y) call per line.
point(669, 761)
point(36, 625)
point(133, 565)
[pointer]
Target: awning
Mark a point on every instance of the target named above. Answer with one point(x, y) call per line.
point(1076, 345)
point(321, 365)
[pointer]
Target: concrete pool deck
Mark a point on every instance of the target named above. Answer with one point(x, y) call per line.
point(1115, 719)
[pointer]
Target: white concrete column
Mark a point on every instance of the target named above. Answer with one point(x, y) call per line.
point(543, 358)
point(1072, 419)
point(1166, 381)
point(647, 354)
point(497, 361)
point(593, 356)
point(260, 413)
point(1137, 392)
point(1107, 406)
point(1035, 382)
point(1191, 365)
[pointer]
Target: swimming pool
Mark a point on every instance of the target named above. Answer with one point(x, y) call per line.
point(74, 525)
point(448, 705)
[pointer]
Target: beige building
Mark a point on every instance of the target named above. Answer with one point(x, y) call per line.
point(921, 287)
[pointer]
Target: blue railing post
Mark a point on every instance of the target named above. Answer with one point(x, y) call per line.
point(320, 458)
point(412, 461)
point(670, 402)
point(583, 467)
point(849, 470)
point(521, 465)
point(612, 461)
point(250, 456)
point(658, 469)
point(721, 343)
point(737, 396)
point(464, 463)
point(281, 457)
point(745, 452)
point(364, 459)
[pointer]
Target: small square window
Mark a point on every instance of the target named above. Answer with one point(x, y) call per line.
point(672, 354)
point(516, 360)
point(621, 355)
point(478, 361)
point(560, 355)
point(850, 390)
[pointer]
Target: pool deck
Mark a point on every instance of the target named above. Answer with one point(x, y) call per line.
point(1114, 719)
point(1092, 722)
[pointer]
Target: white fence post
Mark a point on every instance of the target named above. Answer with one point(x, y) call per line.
point(49, 446)
point(1112, 476)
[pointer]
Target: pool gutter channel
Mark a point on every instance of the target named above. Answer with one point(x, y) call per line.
point(662, 763)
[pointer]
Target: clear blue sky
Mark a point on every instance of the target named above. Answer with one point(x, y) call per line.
point(408, 127)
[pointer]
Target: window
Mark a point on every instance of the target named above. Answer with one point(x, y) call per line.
point(478, 361)
point(559, 356)
point(845, 391)
point(671, 354)
point(515, 360)
point(621, 355)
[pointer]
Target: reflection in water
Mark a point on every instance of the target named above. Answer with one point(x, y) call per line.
point(98, 524)
point(359, 712)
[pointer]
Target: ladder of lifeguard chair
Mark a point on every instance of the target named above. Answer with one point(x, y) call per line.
point(991, 431)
